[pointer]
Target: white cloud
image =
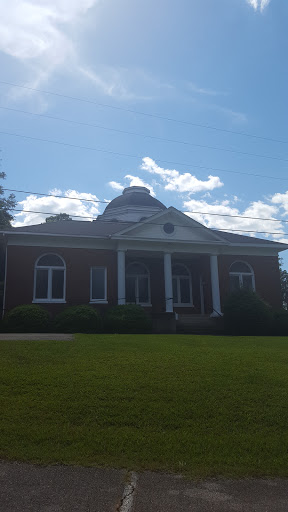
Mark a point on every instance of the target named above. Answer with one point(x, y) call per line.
point(33, 33)
point(258, 4)
point(126, 84)
point(201, 90)
point(234, 219)
point(133, 181)
point(175, 181)
point(238, 117)
point(282, 200)
point(39, 36)
point(254, 3)
point(116, 186)
point(53, 205)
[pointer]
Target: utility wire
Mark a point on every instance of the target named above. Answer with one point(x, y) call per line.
point(107, 202)
point(90, 148)
point(155, 223)
point(54, 195)
point(147, 114)
point(154, 137)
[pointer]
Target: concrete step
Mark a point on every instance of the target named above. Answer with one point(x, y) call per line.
point(198, 324)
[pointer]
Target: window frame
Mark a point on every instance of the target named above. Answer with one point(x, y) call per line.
point(188, 278)
point(241, 274)
point(50, 269)
point(104, 300)
point(137, 276)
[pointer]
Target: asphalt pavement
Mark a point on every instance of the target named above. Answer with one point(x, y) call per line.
point(32, 488)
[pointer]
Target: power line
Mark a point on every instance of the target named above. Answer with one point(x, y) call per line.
point(54, 195)
point(51, 213)
point(154, 137)
point(107, 202)
point(157, 223)
point(90, 148)
point(147, 114)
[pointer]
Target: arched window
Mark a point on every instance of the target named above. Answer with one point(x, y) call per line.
point(49, 279)
point(137, 284)
point(182, 287)
point(241, 276)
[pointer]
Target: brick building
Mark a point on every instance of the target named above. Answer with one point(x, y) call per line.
point(137, 251)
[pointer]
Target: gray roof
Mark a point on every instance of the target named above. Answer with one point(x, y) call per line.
point(104, 229)
point(234, 238)
point(99, 228)
point(135, 199)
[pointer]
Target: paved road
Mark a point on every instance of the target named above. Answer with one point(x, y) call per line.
point(168, 493)
point(11, 336)
point(29, 488)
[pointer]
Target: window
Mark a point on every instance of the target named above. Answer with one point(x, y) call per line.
point(168, 228)
point(182, 288)
point(49, 279)
point(137, 284)
point(98, 284)
point(241, 276)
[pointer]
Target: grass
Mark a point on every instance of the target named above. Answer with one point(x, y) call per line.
point(199, 405)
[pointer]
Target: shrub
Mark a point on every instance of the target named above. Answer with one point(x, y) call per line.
point(280, 322)
point(26, 318)
point(78, 319)
point(128, 318)
point(246, 313)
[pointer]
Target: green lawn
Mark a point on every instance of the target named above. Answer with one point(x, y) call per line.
point(198, 405)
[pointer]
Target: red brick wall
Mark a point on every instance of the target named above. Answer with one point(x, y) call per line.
point(20, 275)
point(267, 276)
point(156, 269)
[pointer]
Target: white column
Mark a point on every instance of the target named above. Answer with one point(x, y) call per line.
point(121, 277)
point(215, 286)
point(168, 282)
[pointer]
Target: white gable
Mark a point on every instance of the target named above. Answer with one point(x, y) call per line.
point(170, 225)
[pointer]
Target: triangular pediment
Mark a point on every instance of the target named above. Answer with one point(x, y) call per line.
point(172, 225)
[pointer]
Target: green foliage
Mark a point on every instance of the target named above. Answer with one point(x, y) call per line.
point(6, 204)
point(280, 323)
point(246, 313)
point(283, 284)
point(26, 318)
point(78, 319)
point(129, 318)
point(58, 217)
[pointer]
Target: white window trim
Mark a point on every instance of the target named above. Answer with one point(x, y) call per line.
point(144, 304)
point(50, 269)
point(178, 277)
point(104, 299)
point(241, 274)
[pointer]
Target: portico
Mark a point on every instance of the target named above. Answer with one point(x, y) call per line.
point(179, 275)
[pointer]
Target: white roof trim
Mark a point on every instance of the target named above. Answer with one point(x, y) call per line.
point(173, 210)
point(30, 233)
point(274, 245)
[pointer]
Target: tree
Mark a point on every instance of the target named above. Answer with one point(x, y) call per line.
point(58, 217)
point(6, 204)
point(284, 284)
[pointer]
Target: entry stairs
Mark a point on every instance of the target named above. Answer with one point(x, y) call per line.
point(198, 324)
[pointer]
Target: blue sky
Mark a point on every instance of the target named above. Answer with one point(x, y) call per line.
point(220, 63)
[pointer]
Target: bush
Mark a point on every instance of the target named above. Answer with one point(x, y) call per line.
point(128, 318)
point(280, 322)
point(246, 313)
point(78, 319)
point(26, 318)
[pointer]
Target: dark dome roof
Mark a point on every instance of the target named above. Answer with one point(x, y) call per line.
point(135, 196)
